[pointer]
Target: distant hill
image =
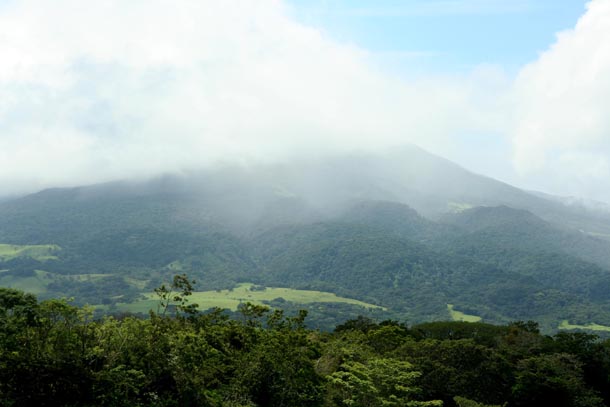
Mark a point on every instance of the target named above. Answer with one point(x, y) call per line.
point(408, 231)
point(507, 228)
point(398, 219)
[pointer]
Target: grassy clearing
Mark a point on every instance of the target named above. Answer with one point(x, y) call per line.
point(230, 299)
point(457, 207)
point(176, 266)
point(592, 327)
point(597, 234)
point(38, 282)
point(35, 284)
point(134, 282)
point(460, 316)
point(86, 277)
point(41, 252)
point(93, 277)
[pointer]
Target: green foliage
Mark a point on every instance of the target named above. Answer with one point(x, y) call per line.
point(379, 382)
point(178, 292)
point(464, 402)
point(117, 244)
point(555, 379)
point(36, 252)
point(54, 354)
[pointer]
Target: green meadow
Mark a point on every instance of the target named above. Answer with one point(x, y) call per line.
point(458, 206)
point(41, 252)
point(231, 298)
point(592, 327)
point(460, 316)
point(35, 284)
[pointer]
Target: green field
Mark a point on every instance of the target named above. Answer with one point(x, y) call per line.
point(41, 252)
point(230, 299)
point(460, 316)
point(458, 206)
point(35, 284)
point(592, 327)
point(87, 277)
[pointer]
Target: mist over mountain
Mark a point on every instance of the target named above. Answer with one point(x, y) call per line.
point(301, 203)
point(407, 231)
point(244, 197)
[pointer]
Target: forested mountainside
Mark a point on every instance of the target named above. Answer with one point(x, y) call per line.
point(54, 354)
point(412, 236)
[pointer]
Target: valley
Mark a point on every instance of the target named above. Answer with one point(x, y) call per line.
point(399, 241)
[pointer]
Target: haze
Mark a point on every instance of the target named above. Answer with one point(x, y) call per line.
point(95, 91)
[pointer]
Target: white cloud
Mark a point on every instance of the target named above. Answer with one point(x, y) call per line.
point(98, 90)
point(95, 90)
point(418, 8)
point(562, 115)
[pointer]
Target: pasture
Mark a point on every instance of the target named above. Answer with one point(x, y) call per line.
point(36, 283)
point(591, 327)
point(41, 252)
point(460, 316)
point(246, 292)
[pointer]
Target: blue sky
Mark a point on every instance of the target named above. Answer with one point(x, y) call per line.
point(444, 36)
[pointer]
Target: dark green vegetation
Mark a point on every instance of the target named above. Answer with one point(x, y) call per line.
point(327, 226)
point(54, 354)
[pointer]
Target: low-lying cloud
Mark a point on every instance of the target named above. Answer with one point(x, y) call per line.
point(98, 90)
point(92, 91)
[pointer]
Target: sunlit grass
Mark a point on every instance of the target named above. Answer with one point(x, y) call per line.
point(460, 316)
point(37, 252)
point(230, 299)
point(592, 327)
point(35, 284)
point(459, 206)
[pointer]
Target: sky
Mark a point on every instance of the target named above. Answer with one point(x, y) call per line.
point(92, 91)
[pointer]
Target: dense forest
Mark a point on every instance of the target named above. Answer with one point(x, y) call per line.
point(53, 353)
point(501, 264)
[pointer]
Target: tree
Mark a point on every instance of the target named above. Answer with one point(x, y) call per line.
point(178, 292)
point(378, 382)
point(553, 380)
point(464, 402)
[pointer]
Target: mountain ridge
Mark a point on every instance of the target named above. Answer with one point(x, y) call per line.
point(351, 226)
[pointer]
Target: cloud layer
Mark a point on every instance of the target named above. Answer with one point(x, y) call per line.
point(97, 90)
point(92, 91)
point(561, 130)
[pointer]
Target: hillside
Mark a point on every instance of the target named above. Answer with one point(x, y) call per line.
point(408, 234)
point(507, 228)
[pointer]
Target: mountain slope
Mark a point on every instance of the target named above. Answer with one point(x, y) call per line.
point(496, 229)
point(350, 225)
point(418, 281)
